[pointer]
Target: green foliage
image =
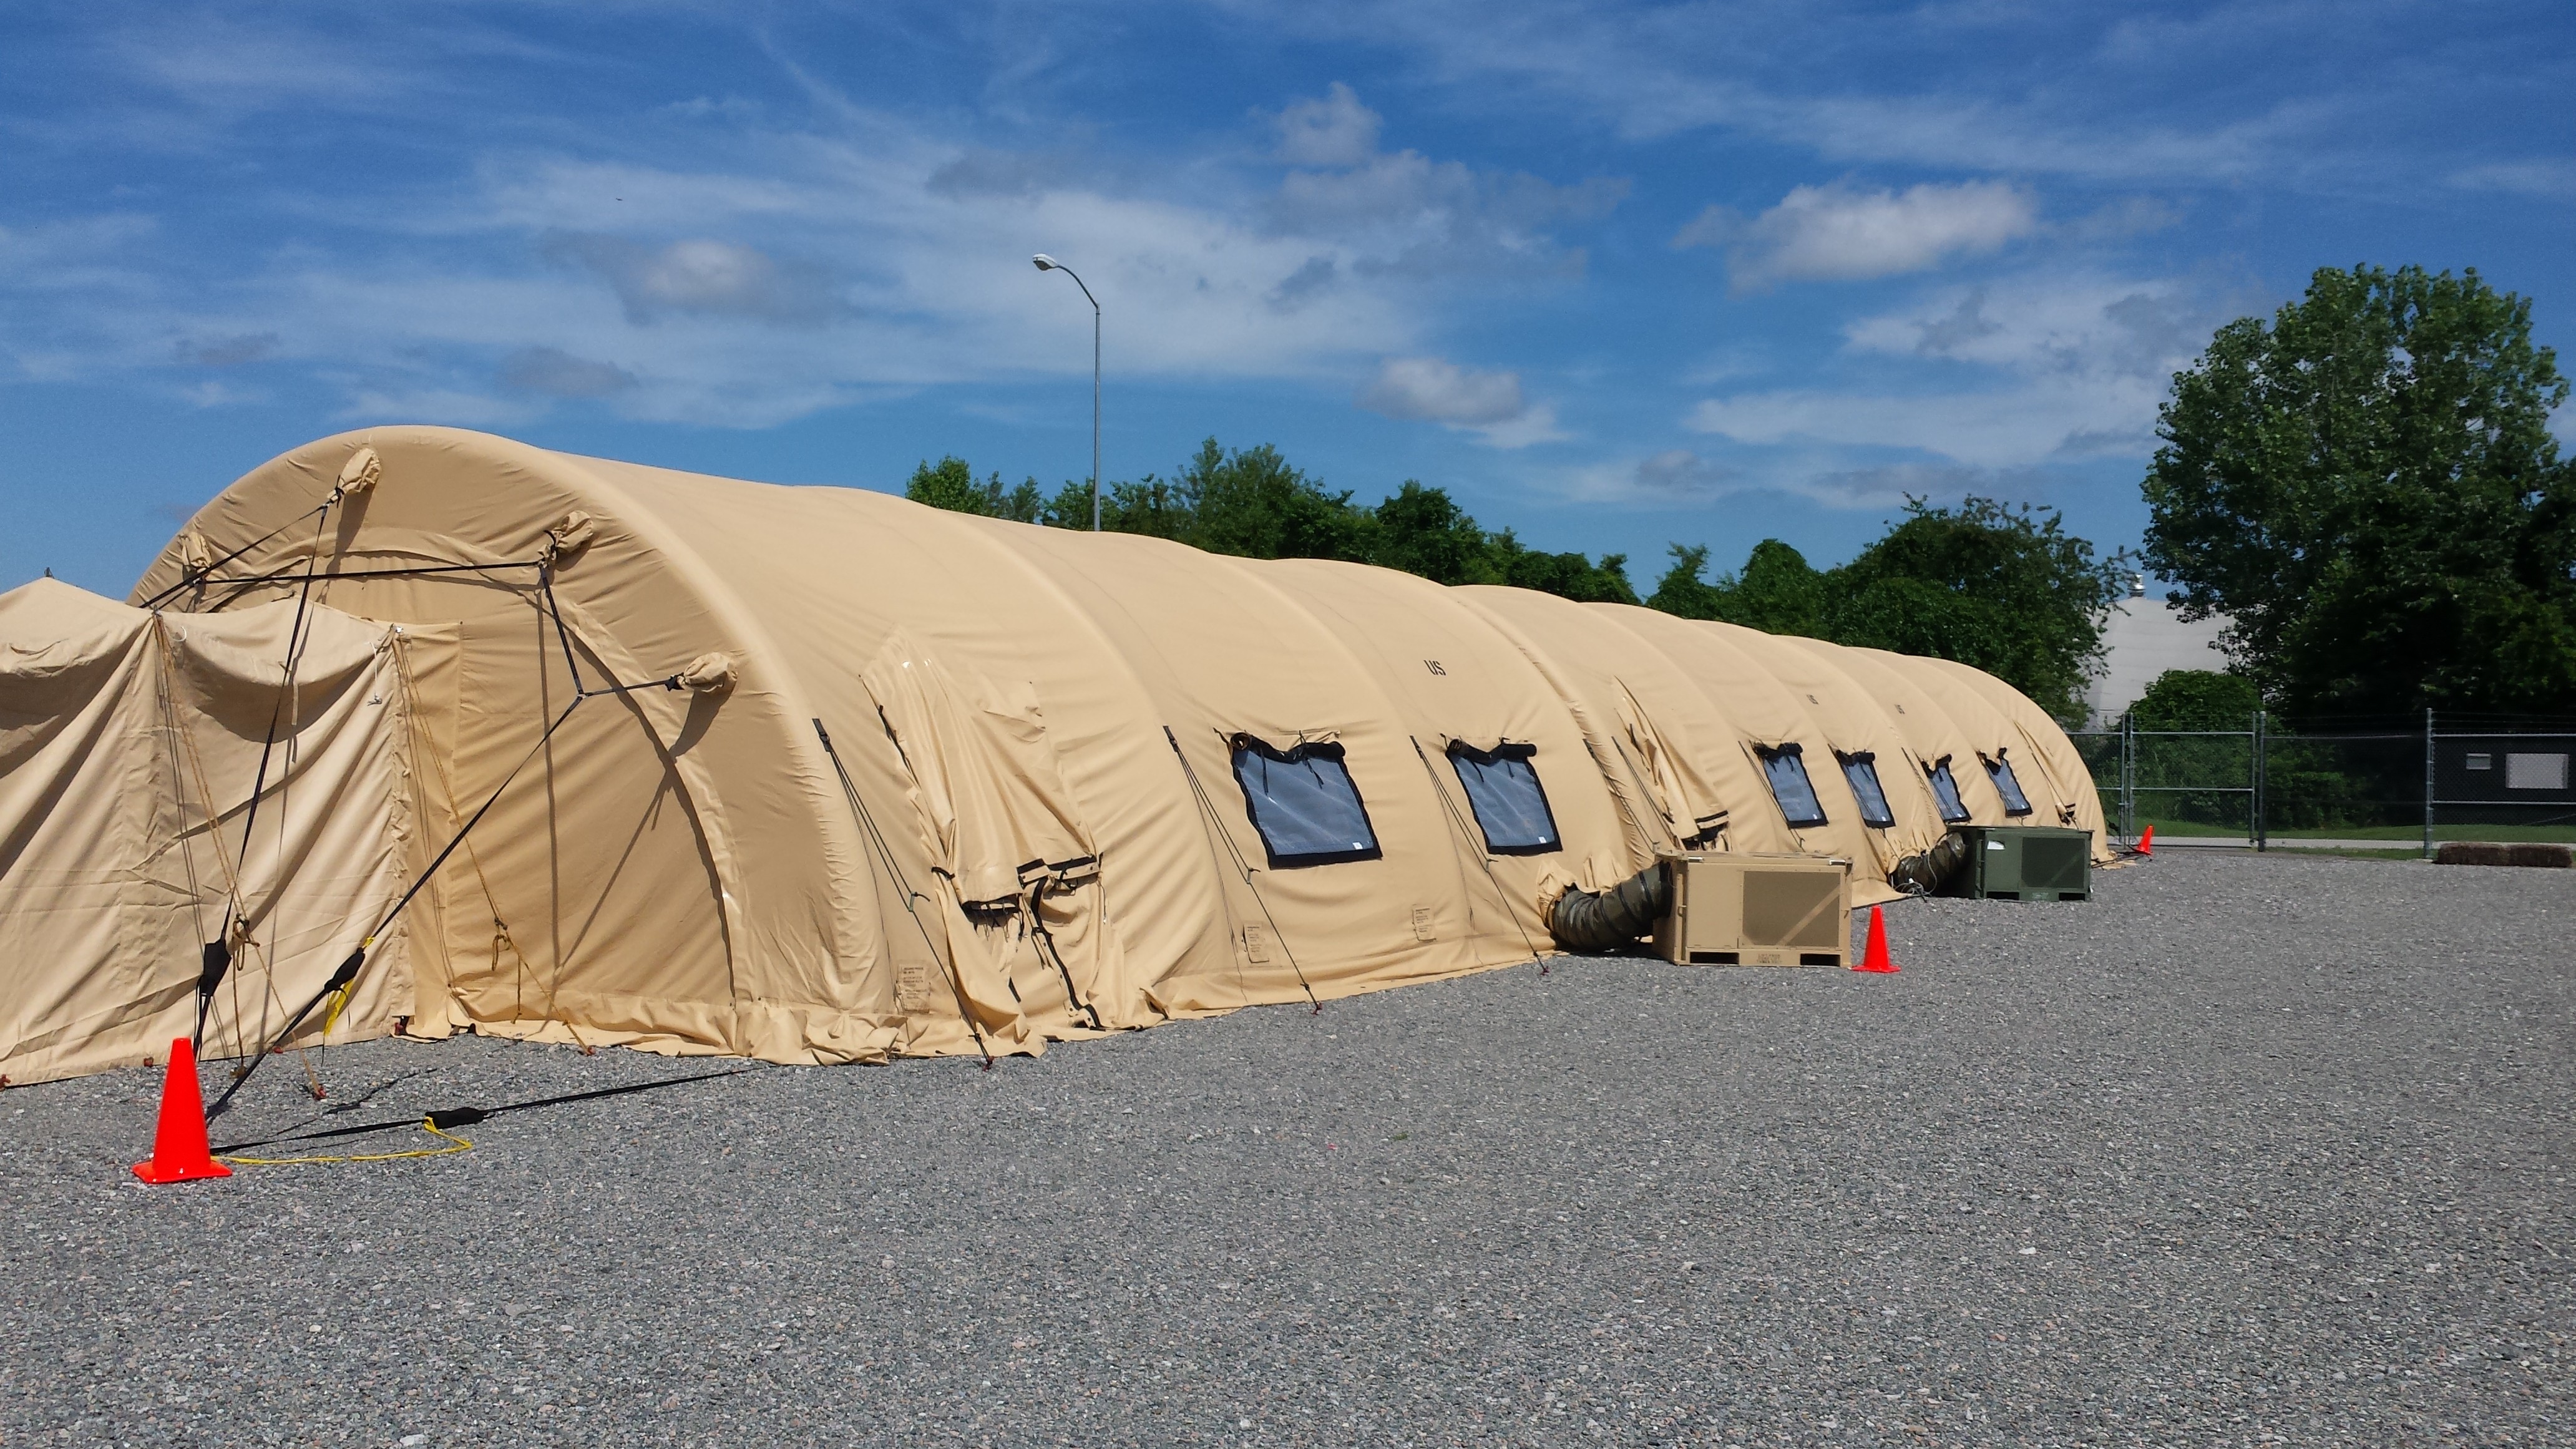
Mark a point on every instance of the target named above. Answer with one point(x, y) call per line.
point(950, 484)
point(2197, 699)
point(1777, 591)
point(2369, 487)
point(1253, 503)
point(2005, 589)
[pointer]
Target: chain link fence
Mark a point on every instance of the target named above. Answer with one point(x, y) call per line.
point(2404, 782)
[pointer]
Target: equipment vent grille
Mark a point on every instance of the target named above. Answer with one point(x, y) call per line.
point(1793, 908)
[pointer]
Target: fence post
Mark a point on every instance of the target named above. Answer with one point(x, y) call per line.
point(2262, 746)
point(2128, 776)
point(2428, 782)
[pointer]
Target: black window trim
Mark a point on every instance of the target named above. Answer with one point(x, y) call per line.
point(1297, 754)
point(1868, 759)
point(1998, 762)
point(1938, 771)
point(1792, 750)
point(1508, 750)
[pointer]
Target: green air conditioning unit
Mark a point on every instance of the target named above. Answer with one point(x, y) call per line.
point(2024, 863)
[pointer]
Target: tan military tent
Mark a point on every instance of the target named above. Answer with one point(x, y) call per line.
point(817, 774)
point(130, 743)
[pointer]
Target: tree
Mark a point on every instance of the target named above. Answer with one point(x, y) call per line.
point(1252, 503)
point(950, 484)
point(1423, 531)
point(2197, 699)
point(1777, 591)
point(2368, 487)
point(2006, 589)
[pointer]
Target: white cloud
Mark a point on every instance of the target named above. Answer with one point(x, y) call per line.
point(1841, 233)
point(1426, 389)
point(1333, 131)
point(1429, 389)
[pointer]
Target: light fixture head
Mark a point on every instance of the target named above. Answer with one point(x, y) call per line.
point(1045, 263)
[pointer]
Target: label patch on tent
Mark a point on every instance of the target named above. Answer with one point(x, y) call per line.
point(1256, 944)
point(1422, 925)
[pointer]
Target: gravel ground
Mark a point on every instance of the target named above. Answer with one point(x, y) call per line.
point(2250, 1150)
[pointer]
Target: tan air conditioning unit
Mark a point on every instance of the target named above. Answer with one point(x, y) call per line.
point(1743, 909)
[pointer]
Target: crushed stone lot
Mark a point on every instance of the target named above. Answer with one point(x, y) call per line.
point(2247, 1150)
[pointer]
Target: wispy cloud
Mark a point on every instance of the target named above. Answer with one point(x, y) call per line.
point(689, 260)
point(718, 278)
point(2064, 367)
point(554, 372)
point(2123, 96)
point(2550, 178)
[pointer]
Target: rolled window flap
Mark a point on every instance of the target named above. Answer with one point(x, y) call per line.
point(361, 472)
point(570, 535)
point(711, 673)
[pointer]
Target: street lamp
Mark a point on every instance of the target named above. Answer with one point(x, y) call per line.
point(1047, 263)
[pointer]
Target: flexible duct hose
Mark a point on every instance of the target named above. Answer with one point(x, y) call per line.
point(1925, 874)
point(1591, 922)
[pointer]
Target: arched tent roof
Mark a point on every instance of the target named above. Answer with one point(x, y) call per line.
point(973, 780)
point(2059, 788)
point(1930, 734)
point(1858, 730)
point(1665, 745)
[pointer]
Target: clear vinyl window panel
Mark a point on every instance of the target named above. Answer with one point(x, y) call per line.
point(2007, 784)
point(1303, 803)
point(1945, 790)
point(1509, 803)
point(1862, 771)
point(1785, 768)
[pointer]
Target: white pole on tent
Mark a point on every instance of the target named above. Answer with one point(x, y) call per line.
point(1047, 263)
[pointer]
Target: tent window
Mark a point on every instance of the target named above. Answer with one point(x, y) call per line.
point(1303, 803)
point(1503, 790)
point(1790, 786)
point(1945, 790)
point(2006, 785)
point(1862, 770)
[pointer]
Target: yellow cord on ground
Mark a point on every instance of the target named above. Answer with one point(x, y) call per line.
point(458, 1144)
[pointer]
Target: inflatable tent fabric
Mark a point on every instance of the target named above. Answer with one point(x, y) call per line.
point(117, 727)
point(941, 783)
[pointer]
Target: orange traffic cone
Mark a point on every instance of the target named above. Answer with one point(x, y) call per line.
point(2147, 841)
point(1874, 956)
point(179, 1148)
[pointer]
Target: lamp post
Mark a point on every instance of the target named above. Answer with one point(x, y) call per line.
point(1047, 263)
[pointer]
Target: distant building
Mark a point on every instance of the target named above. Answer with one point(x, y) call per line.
point(2145, 637)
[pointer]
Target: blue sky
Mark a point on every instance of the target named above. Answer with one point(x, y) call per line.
point(1616, 276)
